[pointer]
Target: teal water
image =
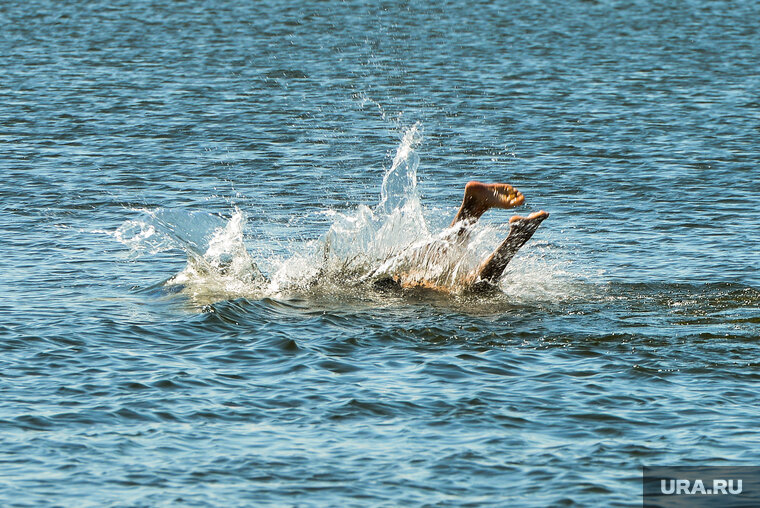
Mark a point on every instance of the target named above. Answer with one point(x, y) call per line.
point(160, 158)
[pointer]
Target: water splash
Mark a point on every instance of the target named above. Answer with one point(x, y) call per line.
point(391, 239)
point(400, 181)
point(356, 243)
point(219, 266)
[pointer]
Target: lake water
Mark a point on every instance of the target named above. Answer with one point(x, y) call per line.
point(193, 192)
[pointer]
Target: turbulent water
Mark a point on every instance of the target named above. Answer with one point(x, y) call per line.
point(197, 197)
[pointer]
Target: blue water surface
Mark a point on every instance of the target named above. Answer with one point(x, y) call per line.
point(624, 334)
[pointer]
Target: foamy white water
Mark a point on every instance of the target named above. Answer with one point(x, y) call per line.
point(392, 238)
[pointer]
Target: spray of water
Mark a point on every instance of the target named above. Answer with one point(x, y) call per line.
point(391, 239)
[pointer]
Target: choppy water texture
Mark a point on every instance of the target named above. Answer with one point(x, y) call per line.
point(192, 195)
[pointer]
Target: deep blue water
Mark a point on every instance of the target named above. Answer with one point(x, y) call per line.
point(156, 155)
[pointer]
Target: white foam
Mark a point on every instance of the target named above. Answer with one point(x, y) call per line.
point(392, 238)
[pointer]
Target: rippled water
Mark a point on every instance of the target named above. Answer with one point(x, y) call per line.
point(193, 193)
